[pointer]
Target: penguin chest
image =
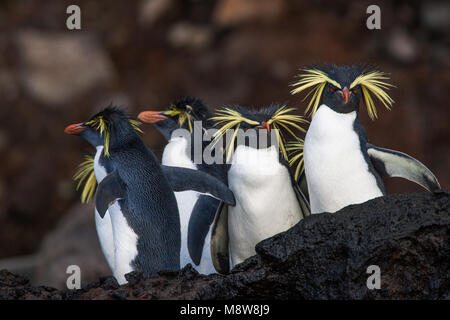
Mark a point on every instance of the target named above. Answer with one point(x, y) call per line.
point(336, 170)
point(176, 155)
point(125, 243)
point(266, 203)
point(103, 225)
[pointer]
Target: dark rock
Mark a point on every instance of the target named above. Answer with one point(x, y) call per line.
point(109, 283)
point(324, 256)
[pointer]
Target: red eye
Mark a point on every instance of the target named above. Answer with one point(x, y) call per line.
point(331, 89)
point(355, 90)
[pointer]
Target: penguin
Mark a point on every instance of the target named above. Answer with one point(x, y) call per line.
point(92, 171)
point(196, 211)
point(138, 193)
point(341, 166)
point(268, 199)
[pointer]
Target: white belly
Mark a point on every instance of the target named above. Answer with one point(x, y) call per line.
point(125, 244)
point(335, 168)
point(206, 265)
point(266, 203)
point(104, 226)
point(175, 155)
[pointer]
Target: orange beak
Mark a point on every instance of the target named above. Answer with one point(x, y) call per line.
point(264, 125)
point(75, 128)
point(345, 94)
point(151, 116)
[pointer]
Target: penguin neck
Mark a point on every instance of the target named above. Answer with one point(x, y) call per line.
point(178, 153)
point(99, 169)
point(165, 128)
point(255, 165)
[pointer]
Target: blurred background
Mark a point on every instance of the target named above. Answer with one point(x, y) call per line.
point(143, 54)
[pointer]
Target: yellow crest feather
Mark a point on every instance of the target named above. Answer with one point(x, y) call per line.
point(135, 124)
point(373, 83)
point(101, 124)
point(231, 119)
point(182, 116)
point(316, 80)
point(85, 173)
point(295, 150)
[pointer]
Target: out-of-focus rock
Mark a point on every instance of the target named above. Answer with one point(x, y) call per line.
point(57, 67)
point(186, 35)
point(235, 12)
point(402, 46)
point(8, 85)
point(73, 242)
point(152, 10)
point(436, 15)
point(18, 287)
point(3, 140)
point(21, 265)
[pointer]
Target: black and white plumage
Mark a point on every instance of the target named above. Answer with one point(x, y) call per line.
point(101, 167)
point(138, 195)
point(196, 210)
point(341, 167)
point(268, 199)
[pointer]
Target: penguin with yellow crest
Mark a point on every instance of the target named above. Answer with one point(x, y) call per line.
point(268, 199)
point(138, 195)
point(341, 166)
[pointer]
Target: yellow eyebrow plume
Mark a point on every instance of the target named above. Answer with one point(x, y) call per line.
point(85, 173)
point(182, 117)
point(373, 83)
point(295, 150)
point(281, 119)
point(228, 118)
point(316, 80)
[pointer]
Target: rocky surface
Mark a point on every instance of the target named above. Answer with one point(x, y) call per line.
point(324, 256)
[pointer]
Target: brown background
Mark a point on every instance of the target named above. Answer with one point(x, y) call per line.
point(143, 54)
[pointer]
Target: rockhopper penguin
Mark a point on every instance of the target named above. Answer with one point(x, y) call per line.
point(138, 193)
point(196, 211)
point(89, 174)
point(341, 167)
point(268, 199)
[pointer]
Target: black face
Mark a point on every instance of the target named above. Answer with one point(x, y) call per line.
point(87, 132)
point(110, 122)
point(344, 99)
point(258, 121)
point(92, 136)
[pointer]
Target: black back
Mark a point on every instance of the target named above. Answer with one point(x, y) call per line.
point(150, 206)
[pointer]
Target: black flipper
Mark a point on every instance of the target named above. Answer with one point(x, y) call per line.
point(219, 240)
point(111, 189)
point(303, 200)
point(391, 163)
point(202, 217)
point(303, 185)
point(183, 179)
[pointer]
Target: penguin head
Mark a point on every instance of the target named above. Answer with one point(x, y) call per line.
point(109, 126)
point(262, 121)
point(342, 88)
point(180, 114)
point(90, 134)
